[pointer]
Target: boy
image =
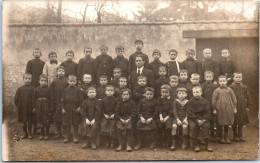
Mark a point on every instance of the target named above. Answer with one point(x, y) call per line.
point(24, 101)
point(147, 113)
point(173, 66)
point(107, 113)
point(35, 67)
point(156, 63)
point(243, 106)
point(226, 66)
point(91, 119)
point(70, 66)
point(198, 119)
point(138, 92)
point(122, 84)
point(102, 89)
point(190, 64)
point(116, 75)
point(180, 120)
point(173, 81)
point(57, 87)
point(161, 81)
point(165, 115)
point(86, 65)
point(50, 68)
point(183, 78)
point(141, 70)
point(104, 63)
point(87, 82)
point(71, 100)
point(43, 107)
point(208, 88)
point(132, 59)
point(120, 61)
point(209, 65)
point(125, 114)
point(194, 81)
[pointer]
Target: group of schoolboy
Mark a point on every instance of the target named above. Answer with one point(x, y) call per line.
point(129, 101)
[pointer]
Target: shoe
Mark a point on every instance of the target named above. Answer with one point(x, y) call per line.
point(209, 149)
point(197, 148)
point(84, 146)
point(107, 145)
point(236, 138)
point(242, 139)
point(184, 143)
point(119, 148)
point(46, 137)
point(30, 136)
point(75, 140)
point(58, 136)
point(172, 148)
point(93, 146)
point(152, 145)
point(138, 146)
point(227, 140)
point(128, 148)
point(24, 136)
point(66, 140)
point(41, 137)
point(222, 140)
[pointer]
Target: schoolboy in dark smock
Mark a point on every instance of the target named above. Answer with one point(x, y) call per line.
point(71, 67)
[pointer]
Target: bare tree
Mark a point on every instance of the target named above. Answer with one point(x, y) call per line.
point(59, 11)
point(99, 10)
point(84, 13)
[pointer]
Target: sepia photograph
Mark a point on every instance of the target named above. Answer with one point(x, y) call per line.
point(130, 80)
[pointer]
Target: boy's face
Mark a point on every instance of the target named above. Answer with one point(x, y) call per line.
point(149, 95)
point(139, 46)
point(197, 93)
point(125, 95)
point(103, 50)
point(122, 83)
point(87, 52)
point(37, 53)
point(237, 78)
point(181, 95)
point(162, 72)
point(190, 54)
point(225, 53)
point(60, 72)
point(139, 62)
point(183, 76)
point(156, 56)
point(209, 77)
point(207, 54)
point(195, 80)
point(222, 81)
point(87, 78)
point(173, 83)
point(120, 52)
point(109, 91)
point(117, 74)
point(69, 56)
point(92, 93)
point(72, 82)
point(53, 57)
point(165, 93)
point(103, 81)
point(43, 81)
point(142, 82)
point(173, 55)
point(27, 79)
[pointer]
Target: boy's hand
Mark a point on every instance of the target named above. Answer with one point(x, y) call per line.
point(179, 122)
point(87, 122)
point(215, 112)
point(228, 79)
point(78, 110)
point(200, 122)
point(112, 116)
point(34, 110)
point(149, 120)
point(166, 118)
point(247, 109)
point(93, 122)
point(127, 121)
point(185, 121)
point(106, 116)
point(161, 118)
point(122, 120)
point(235, 111)
point(142, 119)
point(63, 111)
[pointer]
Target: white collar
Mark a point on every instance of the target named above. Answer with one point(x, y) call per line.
point(141, 69)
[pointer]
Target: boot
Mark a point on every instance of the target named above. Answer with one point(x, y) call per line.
point(93, 145)
point(119, 148)
point(153, 144)
point(67, 131)
point(112, 142)
point(30, 132)
point(107, 142)
point(240, 134)
point(25, 134)
point(138, 140)
point(172, 148)
point(184, 141)
point(207, 148)
point(46, 137)
point(221, 140)
point(58, 135)
point(235, 134)
point(75, 139)
point(42, 133)
point(196, 145)
point(128, 148)
point(227, 140)
point(75, 132)
point(86, 144)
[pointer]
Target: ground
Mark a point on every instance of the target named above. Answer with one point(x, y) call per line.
point(51, 150)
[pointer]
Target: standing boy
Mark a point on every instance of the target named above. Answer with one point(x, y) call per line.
point(69, 64)
point(161, 81)
point(173, 66)
point(156, 63)
point(120, 61)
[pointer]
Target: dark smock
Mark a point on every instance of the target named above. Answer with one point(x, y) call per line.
point(34, 67)
point(154, 66)
point(71, 68)
point(86, 66)
point(192, 65)
point(122, 63)
point(164, 108)
point(158, 83)
point(210, 65)
point(104, 66)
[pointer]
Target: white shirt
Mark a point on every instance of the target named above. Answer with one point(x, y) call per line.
point(141, 70)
